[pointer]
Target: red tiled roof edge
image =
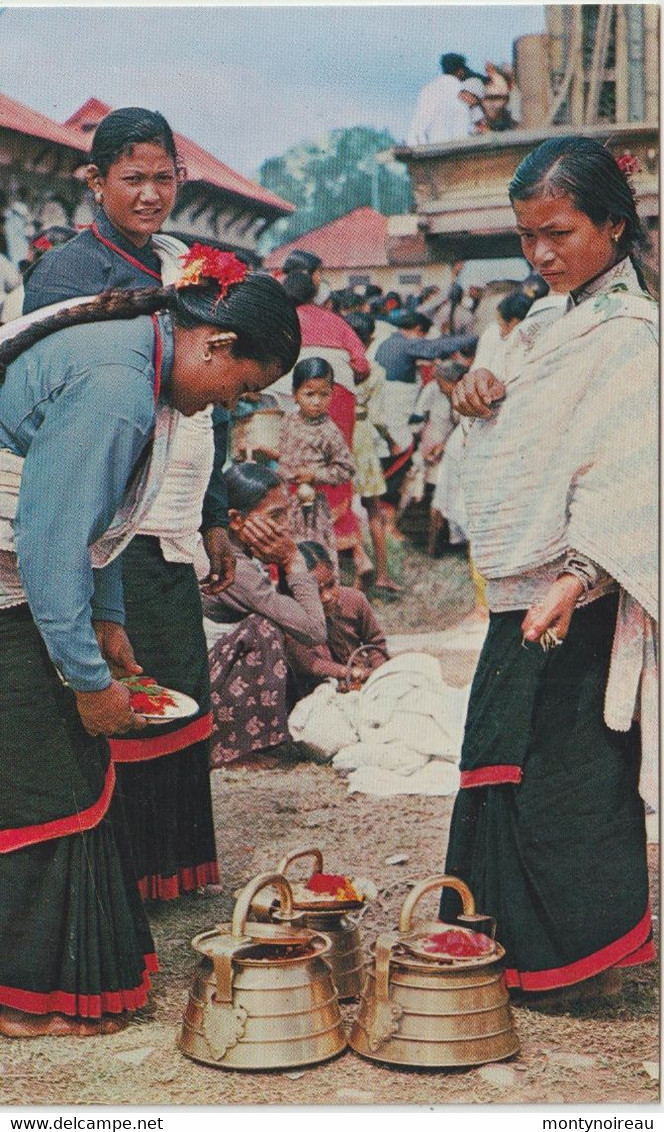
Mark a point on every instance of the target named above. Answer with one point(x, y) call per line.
point(22, 120)
point(357, 239)
point(201, 165)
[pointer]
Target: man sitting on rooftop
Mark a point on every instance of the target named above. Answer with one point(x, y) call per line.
point(441, 114)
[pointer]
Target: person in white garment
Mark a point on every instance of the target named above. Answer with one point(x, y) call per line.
point(441, 114)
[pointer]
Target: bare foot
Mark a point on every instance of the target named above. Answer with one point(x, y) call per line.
point(387, 584)
point(17, 1024)
point(606, 986)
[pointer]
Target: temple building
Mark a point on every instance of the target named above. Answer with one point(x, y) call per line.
point(42, 164)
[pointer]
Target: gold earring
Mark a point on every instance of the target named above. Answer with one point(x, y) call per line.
point(99, 196)
point(222, 339)
point(615, 236)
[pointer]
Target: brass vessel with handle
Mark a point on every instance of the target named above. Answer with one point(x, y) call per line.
point(428, 1010)
point(263, 996)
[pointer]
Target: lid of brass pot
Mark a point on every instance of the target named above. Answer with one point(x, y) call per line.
point(279, 941)
point(449, 944)
point(326, 892)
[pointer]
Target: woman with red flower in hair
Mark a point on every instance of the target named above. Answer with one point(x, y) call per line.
point(163, 777)
point(90, 407)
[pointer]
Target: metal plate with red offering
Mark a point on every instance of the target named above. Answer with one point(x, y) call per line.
point(327, 892)
point(452, 945)
point(157, 704)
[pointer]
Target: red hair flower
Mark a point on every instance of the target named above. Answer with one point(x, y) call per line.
point(628, 164)
point(203, 262)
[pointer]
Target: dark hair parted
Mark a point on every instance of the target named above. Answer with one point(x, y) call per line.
point(362, 323)
point(584, 170)
point(118, 133)
point(300, 287)
point(515, 305)
point(248, 484)
point(299, 260)
point(256, 310)
point(312, 369)
point(313, 554)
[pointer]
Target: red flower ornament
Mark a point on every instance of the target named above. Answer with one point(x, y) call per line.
point(203, 262)
point(628, 164)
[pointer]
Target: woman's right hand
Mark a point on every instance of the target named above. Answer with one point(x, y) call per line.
point(269, 542)
point(475, 393)
point(108, 712)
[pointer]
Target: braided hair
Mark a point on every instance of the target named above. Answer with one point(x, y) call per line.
point(257, 310)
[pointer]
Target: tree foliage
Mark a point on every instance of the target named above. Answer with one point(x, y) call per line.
point(344, 170)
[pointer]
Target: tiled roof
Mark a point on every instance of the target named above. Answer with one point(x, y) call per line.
point(15, 116)
point(201, 165)
point(357, 239)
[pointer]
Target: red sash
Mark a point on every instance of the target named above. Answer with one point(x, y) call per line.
point(125, 255)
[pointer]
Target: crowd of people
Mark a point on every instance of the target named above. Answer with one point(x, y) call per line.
point(144, 529)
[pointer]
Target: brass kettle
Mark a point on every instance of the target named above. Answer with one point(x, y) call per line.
point(423, 1009)
point(263, 995)
point(346, 956)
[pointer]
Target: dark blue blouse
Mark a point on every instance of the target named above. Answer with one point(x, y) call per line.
point(85, 266)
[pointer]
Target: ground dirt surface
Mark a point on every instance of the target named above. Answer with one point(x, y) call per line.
point(599, 1054)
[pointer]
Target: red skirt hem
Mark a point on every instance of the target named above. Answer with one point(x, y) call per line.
point(139, 750)
point(185, 880)
point(82, 1005)
point(79, 822)
point(632, 948)
point(490, 776)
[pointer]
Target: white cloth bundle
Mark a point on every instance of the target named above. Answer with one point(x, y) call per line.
point(401, 734)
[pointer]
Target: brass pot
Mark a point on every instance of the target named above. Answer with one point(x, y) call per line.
point(419, 1010)
point(263, 995)
point(346, 956)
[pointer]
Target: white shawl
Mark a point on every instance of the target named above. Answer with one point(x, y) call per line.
point(569, 461)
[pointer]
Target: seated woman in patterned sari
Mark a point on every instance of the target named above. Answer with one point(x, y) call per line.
point(248, 669)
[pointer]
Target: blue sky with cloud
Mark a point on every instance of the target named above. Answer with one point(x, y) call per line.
point(247, 82)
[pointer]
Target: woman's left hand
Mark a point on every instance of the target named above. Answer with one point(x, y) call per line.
point(555, 610)
point(115, 647)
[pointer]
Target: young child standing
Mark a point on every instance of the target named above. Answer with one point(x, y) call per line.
point(313, 455)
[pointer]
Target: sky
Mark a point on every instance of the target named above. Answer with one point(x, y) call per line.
point(248, 82)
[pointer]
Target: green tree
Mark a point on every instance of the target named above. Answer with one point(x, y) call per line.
point(344, 170)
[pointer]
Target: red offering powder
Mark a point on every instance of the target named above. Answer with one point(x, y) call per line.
point(458, 945)
point(334, 885)
point(147, 697)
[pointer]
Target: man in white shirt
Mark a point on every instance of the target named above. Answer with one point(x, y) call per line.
point(441, 115)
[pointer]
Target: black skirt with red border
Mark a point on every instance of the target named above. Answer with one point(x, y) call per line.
point(163, 773)
point(549, 829)
point(73, 934)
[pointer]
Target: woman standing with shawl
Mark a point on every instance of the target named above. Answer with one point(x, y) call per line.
point(163, 777)
point(75, 948)
point(560, 487)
